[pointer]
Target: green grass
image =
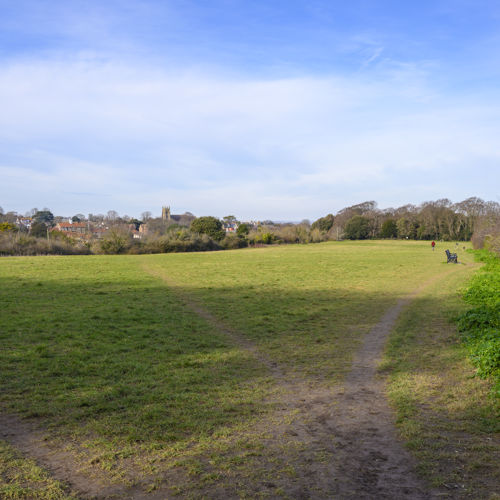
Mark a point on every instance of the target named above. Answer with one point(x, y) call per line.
point(445, 413)
point(107, 355)
point(303, 303)
point(21, 478)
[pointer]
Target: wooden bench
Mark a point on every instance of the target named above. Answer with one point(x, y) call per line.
point(452, 257)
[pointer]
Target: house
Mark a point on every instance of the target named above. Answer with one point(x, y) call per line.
point(74, 229)
point(97, 232)
point(80, 230)
point(24, 222)
point(230, 227)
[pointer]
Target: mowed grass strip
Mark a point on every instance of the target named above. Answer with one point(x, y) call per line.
point(446, 414)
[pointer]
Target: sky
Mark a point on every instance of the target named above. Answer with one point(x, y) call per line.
point(262, 109)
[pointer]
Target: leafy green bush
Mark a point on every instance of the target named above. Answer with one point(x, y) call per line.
point(266, 238)
point(480, 326)
point(208, 225)
point(485, 354)
point(243, 229)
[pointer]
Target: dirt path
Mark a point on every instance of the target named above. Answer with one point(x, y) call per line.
point(356, 425)
point(236, 337)
point(351, 427)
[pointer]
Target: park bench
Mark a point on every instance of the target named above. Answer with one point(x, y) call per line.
point(452, 257)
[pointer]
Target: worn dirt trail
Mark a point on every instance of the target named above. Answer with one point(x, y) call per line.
point(351, 425)
point(356, 426)
point(371, 462)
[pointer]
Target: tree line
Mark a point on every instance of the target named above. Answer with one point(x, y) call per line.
point(472, 218)
point(432, 220)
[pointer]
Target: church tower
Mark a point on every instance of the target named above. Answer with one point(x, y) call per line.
point(165, 213)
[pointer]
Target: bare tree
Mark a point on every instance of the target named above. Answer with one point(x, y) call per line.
point(112, 215)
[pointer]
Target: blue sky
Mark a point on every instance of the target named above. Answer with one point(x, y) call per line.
point(262, 109)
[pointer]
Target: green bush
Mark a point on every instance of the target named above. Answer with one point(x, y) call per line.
point(480, 326)
point(208, 225)
point(243, 230)
point(266, 238)
point(485, 354)
point(115, 241)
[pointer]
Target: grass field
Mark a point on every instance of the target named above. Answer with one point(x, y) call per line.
point(449, 418)
point(112, 359)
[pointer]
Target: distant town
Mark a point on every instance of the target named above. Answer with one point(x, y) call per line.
point(95, 226)
point(42, 232)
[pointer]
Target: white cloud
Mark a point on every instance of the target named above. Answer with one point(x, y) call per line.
point(137, 137)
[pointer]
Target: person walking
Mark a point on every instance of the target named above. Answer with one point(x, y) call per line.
point(433, 244)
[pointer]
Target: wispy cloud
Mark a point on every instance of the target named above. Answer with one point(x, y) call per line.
point(136, 135)
point(260, 110)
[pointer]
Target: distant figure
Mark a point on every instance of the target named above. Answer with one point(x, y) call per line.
point(433, 244)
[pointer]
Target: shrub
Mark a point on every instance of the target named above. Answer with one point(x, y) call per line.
point(115, 241)
point(14, 244)
point(208, 225)
point(316, 235)
point(7, 226)
point(264, 238)
point(232, 241)
point(243, 229)
point(179, 241)
point(480, 326)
